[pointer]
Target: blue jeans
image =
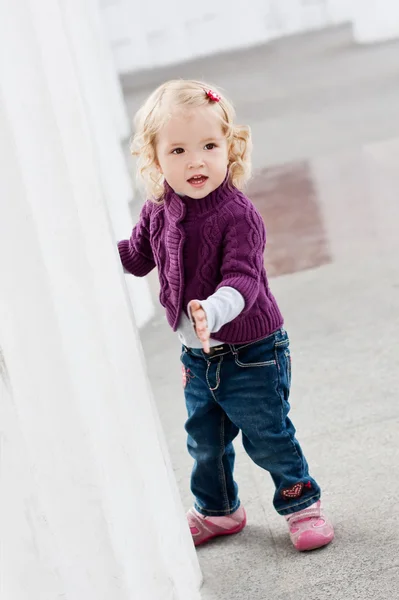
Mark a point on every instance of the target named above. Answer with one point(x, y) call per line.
point(243, 387)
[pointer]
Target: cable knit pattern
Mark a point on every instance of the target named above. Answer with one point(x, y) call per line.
point(200, 246)
point(210, 235)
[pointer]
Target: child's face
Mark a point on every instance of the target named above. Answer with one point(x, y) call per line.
point(192, 152)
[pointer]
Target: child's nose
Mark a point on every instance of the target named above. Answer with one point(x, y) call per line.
point(195, 162)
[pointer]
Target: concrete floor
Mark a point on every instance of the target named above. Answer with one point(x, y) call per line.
point(322, 106)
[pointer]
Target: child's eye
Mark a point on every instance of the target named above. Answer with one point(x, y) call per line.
point(210, 146)
point(178, 151)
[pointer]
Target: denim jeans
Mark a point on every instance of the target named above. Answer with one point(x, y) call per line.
point(243, 387)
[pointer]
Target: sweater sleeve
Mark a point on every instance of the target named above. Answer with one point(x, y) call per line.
point(136, 253)
point(221, 308)
point(243, 250)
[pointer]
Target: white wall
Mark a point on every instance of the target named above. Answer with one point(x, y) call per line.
point(374, 20)
point(339, 11)
point(145, 34)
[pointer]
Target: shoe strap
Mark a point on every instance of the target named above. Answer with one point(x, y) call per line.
point(306, 513)
point(194, 520)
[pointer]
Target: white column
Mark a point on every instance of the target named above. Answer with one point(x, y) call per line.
point(83, 29)
point(88, 502)
point(375, 20)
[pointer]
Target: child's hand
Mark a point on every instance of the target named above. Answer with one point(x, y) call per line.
point(201, 326)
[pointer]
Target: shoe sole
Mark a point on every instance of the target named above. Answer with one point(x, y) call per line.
point(237, 529)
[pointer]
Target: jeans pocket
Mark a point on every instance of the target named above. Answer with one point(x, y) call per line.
point(288, 364)
point(259, 354)
point(282, 340)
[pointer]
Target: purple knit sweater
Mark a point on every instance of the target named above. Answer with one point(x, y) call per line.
point(200, 246)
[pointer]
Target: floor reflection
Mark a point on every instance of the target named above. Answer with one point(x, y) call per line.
point(287, 200)
point(340, 207)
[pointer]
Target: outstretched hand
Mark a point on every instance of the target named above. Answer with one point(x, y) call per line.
point(201, 325)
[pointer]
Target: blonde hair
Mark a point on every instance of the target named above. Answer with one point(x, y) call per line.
point(155, 112)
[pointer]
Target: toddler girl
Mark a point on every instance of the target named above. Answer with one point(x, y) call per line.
point(207, 240)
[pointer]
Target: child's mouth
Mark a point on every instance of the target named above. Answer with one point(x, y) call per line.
point(198, 180)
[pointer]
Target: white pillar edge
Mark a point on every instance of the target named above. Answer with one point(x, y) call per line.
point(72, 356)
point(88, 52)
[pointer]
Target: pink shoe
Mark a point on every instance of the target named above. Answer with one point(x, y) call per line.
point(205, 528)
point(309, 528)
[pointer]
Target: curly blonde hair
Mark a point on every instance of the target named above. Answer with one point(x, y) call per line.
point(156, 111)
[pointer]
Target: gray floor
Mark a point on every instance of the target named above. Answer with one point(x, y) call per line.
point(322, 99)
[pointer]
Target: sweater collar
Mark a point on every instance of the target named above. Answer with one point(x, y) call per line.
point(184, 206)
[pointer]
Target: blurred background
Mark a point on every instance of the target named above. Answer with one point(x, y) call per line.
point(318, 83)
point(311, 77)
